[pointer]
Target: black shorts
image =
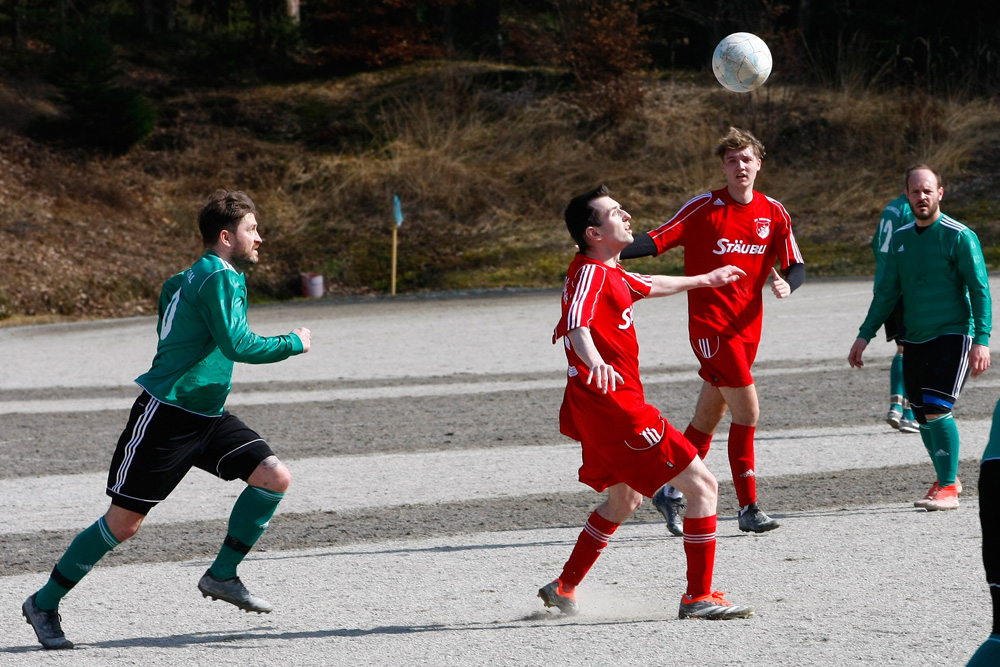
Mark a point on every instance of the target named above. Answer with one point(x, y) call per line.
point(935, 371)
point(161, 443)
point(895, 330)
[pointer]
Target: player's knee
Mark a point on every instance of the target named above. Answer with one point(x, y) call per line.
point(706, 486)
point(271, 474)
point(122, 526)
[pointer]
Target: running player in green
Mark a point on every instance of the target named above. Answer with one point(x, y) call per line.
point(896, 214)
point(179, 420)
point(988, 654)
point(936, 264)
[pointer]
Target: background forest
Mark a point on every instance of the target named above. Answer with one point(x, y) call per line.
point(117, 117)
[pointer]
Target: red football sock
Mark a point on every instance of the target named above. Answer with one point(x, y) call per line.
point(741, 462)
point(699, 547)
point(701, 441)
point(589, 545)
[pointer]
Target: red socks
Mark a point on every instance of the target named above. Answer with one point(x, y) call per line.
point(701, 441)
point(699, 547)
point(588, 547)
point(741, 462)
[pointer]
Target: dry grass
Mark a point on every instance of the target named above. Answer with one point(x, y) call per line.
point(484, 159)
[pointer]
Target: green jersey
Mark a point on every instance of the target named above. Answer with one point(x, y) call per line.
point(940, 272)
point(203, 329)
point(896, 214)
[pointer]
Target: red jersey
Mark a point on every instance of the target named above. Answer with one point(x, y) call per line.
point(600, 297)
point(715, 230)
point(624, 438)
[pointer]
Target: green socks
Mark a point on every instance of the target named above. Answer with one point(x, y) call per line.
point(943, 447)
point(83, 553)
point(897, 389)
point(250, 516)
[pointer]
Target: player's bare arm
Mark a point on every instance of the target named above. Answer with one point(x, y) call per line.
point(720, 277)
point(854, 357)
point(606, 377)
point(979, 359)
point(305, 336)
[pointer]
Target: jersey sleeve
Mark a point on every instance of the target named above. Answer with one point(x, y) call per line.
point(580, 301)
point(887, 293)
point(222, 299)
point(639, 285)
point(972, 267)
point(788, 249)
point(671, 232)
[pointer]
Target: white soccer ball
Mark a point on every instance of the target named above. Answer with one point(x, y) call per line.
point(741, 62)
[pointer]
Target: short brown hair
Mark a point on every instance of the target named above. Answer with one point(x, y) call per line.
point(736, 140)
point(223, 209)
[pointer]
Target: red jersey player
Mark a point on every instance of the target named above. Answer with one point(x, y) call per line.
point(734, 225)
point(628, 447)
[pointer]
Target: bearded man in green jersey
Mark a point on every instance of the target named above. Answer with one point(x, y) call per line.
point(179, 420)
point(936, 264)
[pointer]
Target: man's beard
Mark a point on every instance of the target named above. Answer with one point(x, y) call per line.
point(243, 262)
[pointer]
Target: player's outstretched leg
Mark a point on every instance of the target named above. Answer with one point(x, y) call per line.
point(621, 502)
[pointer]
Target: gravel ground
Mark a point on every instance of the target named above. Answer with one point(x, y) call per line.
point(417, 566)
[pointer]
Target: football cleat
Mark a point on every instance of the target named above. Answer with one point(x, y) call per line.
point(712, 607)
point(46, 625)
point(671, 509)
point(234, 592)
point(909, 426)
point(554, 595)
point(894, 417)
point(754, 520)
point(929, 497)
point(946, 498)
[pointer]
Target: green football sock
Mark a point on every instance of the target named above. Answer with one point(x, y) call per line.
point(925, 437)
point(897, 390)
point(247, 522)
point(83, 553)
point(944, 440)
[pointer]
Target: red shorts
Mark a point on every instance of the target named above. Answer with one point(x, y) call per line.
point(725, 362)
point(625, 440)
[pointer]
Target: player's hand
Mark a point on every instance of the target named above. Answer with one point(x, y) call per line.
point(779, 286)
point(606, 377)
point(724, 275)
point(854, 357)
point(305, 336)
point(979, 359)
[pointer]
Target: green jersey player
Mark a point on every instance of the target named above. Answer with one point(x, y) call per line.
point(936, 264)
point(179, 421)
point(988, 654)
point(896, 214)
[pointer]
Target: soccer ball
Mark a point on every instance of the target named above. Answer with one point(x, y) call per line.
point(741, 62)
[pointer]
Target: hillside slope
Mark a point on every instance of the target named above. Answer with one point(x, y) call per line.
point(483, 157)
